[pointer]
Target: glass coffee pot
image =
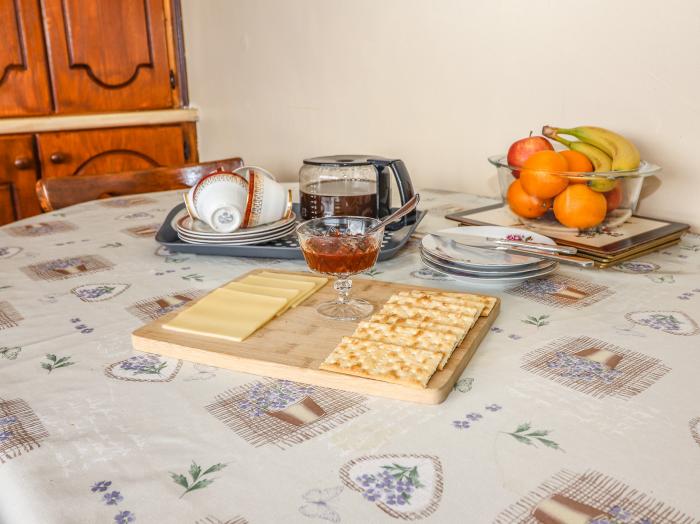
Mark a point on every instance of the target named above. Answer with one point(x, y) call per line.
point(353, 185)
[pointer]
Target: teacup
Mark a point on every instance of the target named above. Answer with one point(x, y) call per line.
point(219, 199)
point(189, 203)
point(268, 200)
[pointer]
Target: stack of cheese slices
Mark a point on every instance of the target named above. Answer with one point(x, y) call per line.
point(412, 337)
point(238, 309)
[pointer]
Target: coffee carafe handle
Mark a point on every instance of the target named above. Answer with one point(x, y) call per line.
point(405, 187)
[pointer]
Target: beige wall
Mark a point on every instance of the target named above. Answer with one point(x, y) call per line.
point(445, 83)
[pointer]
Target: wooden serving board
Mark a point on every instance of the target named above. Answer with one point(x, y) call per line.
point(293, 345)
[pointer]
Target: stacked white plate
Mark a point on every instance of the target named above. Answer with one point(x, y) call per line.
point(484, 266)
point(194, 231)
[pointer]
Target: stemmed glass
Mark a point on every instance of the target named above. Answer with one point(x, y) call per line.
point(341, 246)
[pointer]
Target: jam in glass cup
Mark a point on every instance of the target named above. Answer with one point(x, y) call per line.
point(340, 246)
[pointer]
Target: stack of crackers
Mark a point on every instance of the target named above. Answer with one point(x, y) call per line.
point(412, 337)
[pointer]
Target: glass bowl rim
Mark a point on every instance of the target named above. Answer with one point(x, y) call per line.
point(645, 169)
point(374, 222)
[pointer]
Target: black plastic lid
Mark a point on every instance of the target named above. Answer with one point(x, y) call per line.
point(346, 160)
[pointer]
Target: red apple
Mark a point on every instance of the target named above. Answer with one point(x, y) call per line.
point(522, 149)
point(613, 197)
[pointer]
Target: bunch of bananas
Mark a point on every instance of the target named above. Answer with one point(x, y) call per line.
point(607, 150)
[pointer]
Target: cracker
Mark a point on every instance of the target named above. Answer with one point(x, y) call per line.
point(463, 298)
point(403, 321)
point(465, 320)
point(435, 302)
point(385, 362)
point(409, 337)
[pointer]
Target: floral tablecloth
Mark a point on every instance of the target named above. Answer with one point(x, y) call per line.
point(583, 400)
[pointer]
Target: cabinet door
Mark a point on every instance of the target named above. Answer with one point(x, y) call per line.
point(24, 80)
point(17, 179)
point(107, 55)
point(71, 153)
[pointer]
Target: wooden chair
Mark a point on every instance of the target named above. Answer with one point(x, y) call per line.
point(56, 193)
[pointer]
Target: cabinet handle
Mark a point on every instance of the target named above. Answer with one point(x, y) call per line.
point(57, 158)
point(22, 162)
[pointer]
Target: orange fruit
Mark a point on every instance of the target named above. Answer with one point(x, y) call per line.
point(537, 178)
point(578, 163)
point(526, 205)
point(580, 207)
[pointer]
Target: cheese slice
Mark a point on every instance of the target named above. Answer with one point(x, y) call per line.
point(288, 294)
point(318, 282)
point(306, 288)
point(227, 314)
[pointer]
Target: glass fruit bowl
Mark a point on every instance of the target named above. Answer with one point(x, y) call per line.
point(573, 208)
point(341, 246)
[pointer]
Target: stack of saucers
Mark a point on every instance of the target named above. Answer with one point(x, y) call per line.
point(445, 253)
point(194, 231)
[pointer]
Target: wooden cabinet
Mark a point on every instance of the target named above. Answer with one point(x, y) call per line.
point(74, 153)
point(89, 152)
point(18, 176)
point(108, 55)
point(90, 56)
point(69, 57)
point(24, 79)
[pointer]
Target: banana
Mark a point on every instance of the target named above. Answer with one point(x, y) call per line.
point(600, 160)
point(624, 154)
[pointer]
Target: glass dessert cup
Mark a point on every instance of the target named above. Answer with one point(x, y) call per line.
point(340, 246)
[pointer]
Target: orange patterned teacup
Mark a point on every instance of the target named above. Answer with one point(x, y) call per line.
point(220, 199)
point(268, 200)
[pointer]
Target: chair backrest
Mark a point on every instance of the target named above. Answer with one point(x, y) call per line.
point(59, 192)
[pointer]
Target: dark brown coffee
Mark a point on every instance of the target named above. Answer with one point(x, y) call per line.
point(351, 197)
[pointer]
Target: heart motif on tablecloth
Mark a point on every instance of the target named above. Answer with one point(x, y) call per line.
point(671, 322)
point(9, 252)
point(636, 266)
point(144, 367)
point(99, 292)
point(405, 487)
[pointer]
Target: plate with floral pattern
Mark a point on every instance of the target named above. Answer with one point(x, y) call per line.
point(477, 258)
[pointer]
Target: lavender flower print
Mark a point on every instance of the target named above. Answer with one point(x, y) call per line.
point(144, 365)
point(661, 321)
point(542, 286)
point(5, 436)
point(582, 368)
point(124, 517)
point(494, 407)
point(113, 498)
point(64, 263)
point(393, 486)
point(102, 485)
point(281, 394)
point(620, 516)
point(95, 292)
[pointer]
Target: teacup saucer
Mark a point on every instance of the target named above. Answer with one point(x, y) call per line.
point(183, 222)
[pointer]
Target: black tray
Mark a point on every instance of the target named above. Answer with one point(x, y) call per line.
point(286, 247)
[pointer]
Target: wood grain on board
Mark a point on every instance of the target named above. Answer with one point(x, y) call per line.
point(293, 345)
